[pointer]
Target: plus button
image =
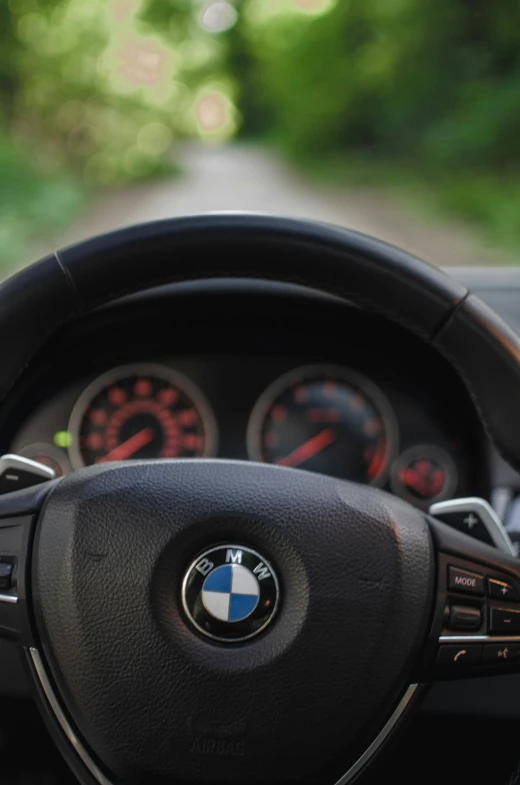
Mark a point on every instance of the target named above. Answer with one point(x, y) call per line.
point(470, 521)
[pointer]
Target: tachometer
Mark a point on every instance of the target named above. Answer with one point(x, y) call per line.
point(328, 420)
point(140, 411)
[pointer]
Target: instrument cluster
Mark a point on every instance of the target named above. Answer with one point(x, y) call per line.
point(324, 418)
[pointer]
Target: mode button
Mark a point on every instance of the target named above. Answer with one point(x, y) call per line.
point(463, 580)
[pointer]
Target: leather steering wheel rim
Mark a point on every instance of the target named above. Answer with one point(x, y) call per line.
point(363, 576)
point(40, 299)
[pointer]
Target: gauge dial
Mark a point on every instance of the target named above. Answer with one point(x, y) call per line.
point(138, 412)
point(424, 474)
point(328, 420)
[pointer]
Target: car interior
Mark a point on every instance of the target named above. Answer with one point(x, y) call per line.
point(259, 392)
point(337, 417)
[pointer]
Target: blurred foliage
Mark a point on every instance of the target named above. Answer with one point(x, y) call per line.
point(95, 94)
point(103, 89)
point(96, 90)
point(435, 79)
point(415, 90)
point(31, 200)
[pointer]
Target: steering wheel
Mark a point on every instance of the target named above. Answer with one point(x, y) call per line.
point(219, 621)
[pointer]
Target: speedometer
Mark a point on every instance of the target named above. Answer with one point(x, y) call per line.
point(328, 420)
point(137, 412)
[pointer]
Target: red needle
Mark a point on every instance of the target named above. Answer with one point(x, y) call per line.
point(310, 448)
point(130, 447)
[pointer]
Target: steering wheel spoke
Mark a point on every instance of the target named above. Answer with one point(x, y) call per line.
point(476, 624)
point(178, 606)
point(18, 514)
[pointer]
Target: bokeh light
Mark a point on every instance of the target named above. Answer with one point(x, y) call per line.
point(142, 64)
point(263, 11)
point(216, 114)
point(218, 17)
point(123, 10)
point(314, 7)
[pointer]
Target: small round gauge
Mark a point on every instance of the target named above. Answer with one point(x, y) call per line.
point(424, 474)
point(49, 455)
point(328, 420)
point(138, 412)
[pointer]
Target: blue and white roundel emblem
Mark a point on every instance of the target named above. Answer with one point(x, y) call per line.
point(230, 593)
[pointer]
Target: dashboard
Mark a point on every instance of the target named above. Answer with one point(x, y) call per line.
point(239, 370)
point(327, 418)
point(235, 348)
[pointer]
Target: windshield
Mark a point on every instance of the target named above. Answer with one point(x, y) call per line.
point(398, 118)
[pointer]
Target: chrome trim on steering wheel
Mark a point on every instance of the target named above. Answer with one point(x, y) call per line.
point(479, 639)
point(102, 780)
point(381, 737)
point(63, 721)
point(11, 599)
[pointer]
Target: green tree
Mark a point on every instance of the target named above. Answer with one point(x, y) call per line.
point(433, 79)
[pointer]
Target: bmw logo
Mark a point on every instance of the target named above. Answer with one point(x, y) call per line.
point(230, 593)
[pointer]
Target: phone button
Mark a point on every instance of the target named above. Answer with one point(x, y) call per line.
point(459, 655)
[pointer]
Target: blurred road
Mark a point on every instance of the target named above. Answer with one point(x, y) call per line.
point(249, 178)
